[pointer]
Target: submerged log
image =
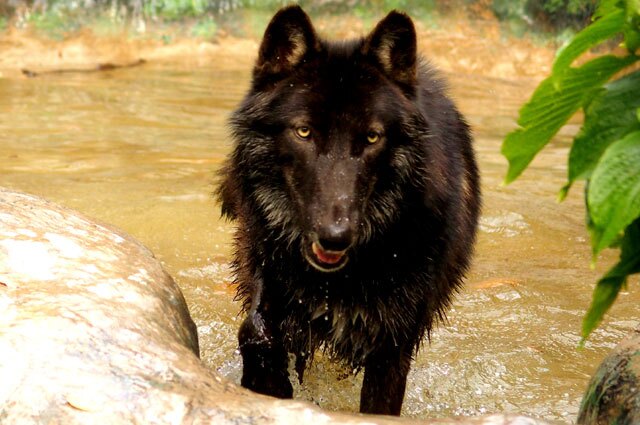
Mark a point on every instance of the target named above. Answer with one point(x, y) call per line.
point(107, 66)
point(613, 395)
point(93, 331)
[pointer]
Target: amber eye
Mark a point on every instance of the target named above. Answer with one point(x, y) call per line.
point(373, 137)
point(303, 132)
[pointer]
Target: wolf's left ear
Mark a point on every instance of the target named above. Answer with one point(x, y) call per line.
point(392, 44)
point(287, 39)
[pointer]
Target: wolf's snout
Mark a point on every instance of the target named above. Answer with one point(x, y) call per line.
point(331, 235)
point(337, 236)
point(326, 250)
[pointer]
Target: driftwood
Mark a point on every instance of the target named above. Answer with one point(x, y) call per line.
point(101, 67)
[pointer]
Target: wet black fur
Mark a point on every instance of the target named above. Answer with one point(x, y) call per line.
point(414, 198)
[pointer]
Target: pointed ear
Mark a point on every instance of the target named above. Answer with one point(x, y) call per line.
point(287, 39)
point(392, 44)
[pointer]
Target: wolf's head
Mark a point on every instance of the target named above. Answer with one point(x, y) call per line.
point(327, 136)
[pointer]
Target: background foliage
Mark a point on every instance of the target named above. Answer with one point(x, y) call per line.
point(606, 151)
point(521, 15)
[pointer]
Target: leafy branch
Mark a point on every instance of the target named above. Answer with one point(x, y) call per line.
point(606, 151)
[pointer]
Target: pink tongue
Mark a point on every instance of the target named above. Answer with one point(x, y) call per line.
point(324, 256)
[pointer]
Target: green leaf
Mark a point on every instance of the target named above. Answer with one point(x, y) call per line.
point(632, 26)
point(604, 294)
point(599, 31)
point(631, 40)
point(613, 196)
point(609, 117)
point(607, 288)
point(551, 106)
point(606, 7)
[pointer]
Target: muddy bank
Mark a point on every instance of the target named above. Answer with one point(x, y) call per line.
point(22, 49)
point(460, 46)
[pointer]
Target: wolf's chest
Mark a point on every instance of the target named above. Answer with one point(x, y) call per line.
point(347, 328)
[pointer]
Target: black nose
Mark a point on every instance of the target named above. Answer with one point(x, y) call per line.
point(335, 237)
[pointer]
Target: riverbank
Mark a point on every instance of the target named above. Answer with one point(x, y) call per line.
point(458, 46)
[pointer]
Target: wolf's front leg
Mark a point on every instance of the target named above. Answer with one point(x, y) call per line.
point(385, 380)
point(264, 358)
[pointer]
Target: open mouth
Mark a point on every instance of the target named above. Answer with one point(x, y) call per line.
point(325, 261)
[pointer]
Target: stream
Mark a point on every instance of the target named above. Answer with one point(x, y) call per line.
point(138, 148)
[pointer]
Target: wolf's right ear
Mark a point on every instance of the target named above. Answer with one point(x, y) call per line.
point(392, 44)
point(289, 37)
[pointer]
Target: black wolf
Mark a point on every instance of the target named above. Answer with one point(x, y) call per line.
point(355, 191)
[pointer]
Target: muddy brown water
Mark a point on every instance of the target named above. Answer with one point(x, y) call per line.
point(138, 148)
